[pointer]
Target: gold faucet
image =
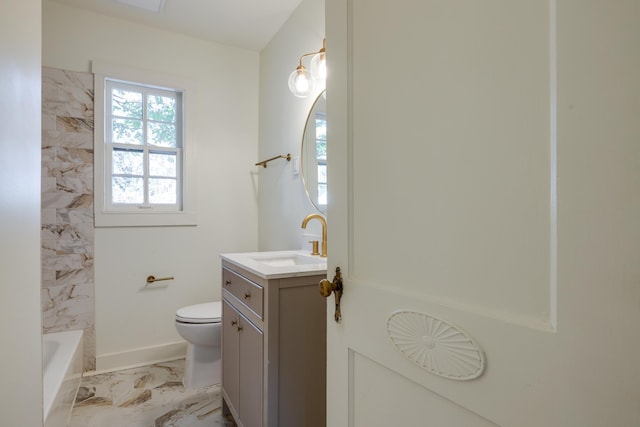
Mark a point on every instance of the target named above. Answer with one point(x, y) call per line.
point(324, 230)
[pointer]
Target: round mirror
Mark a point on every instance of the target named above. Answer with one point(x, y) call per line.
point(314, 154)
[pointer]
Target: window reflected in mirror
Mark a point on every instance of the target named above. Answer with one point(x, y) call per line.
point(314, 155)
point(321, 156)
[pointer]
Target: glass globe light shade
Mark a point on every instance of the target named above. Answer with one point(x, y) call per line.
point(300, 82)
point(318, 66)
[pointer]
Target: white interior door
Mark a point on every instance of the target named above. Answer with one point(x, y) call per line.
point(484, 182)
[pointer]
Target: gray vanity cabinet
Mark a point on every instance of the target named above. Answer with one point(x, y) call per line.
point(243, 372)
point(273, 349)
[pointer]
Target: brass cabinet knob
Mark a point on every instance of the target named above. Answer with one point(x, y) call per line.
point(227, 283)
point(234, 322)
point(247, 295)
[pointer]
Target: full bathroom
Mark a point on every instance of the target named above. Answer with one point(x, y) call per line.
point(482, 217)
point(94, 279)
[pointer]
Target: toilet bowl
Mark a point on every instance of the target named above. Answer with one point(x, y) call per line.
point(201, 327)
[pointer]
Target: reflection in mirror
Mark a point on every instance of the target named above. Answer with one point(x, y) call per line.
point(314, 154)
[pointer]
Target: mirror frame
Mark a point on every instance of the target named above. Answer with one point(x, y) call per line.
point(302, 157)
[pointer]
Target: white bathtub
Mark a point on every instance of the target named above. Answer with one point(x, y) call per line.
point(62, 363)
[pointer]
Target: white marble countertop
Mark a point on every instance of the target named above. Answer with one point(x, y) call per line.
point(278, 264)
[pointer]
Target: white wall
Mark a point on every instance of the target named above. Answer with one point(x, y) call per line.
point(225, 129)
point(21, 368)
point(283, 201)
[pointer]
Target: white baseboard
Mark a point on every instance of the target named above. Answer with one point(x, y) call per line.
point(139, 357)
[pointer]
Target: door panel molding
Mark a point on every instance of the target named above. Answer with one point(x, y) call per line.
point(502, 293)
point(487, 334)
point(369, 388)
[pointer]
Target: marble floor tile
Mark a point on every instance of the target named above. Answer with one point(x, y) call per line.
point(149, 396)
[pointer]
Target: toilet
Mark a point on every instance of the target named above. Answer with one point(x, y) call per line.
point(201, 326)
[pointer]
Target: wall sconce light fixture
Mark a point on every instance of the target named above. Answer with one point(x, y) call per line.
point(302, 81)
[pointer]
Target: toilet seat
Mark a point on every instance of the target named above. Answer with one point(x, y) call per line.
point(208, 312)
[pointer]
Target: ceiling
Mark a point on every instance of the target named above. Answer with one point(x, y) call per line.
point(247, 24)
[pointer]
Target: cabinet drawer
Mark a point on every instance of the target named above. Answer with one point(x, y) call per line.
point(249, 293)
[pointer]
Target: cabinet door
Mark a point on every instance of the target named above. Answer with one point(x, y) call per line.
point(251, 373)
point(230, 357)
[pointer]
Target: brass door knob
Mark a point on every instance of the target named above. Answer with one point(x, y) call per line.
point(327, 287)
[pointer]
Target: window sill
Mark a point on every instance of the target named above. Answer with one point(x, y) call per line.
point(145, 219)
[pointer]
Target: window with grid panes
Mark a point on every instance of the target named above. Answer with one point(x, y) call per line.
point(143, 147)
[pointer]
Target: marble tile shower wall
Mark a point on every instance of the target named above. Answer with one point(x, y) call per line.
point(67, 206)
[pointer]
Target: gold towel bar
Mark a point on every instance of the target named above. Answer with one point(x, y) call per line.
point(282, 156)
point(152, 279)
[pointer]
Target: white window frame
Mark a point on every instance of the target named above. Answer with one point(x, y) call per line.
point(126, 215)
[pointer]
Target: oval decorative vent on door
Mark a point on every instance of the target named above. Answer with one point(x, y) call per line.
point(435, 345)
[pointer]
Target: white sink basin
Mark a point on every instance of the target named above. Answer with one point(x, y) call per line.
point(279, 264)
point(287, 260)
